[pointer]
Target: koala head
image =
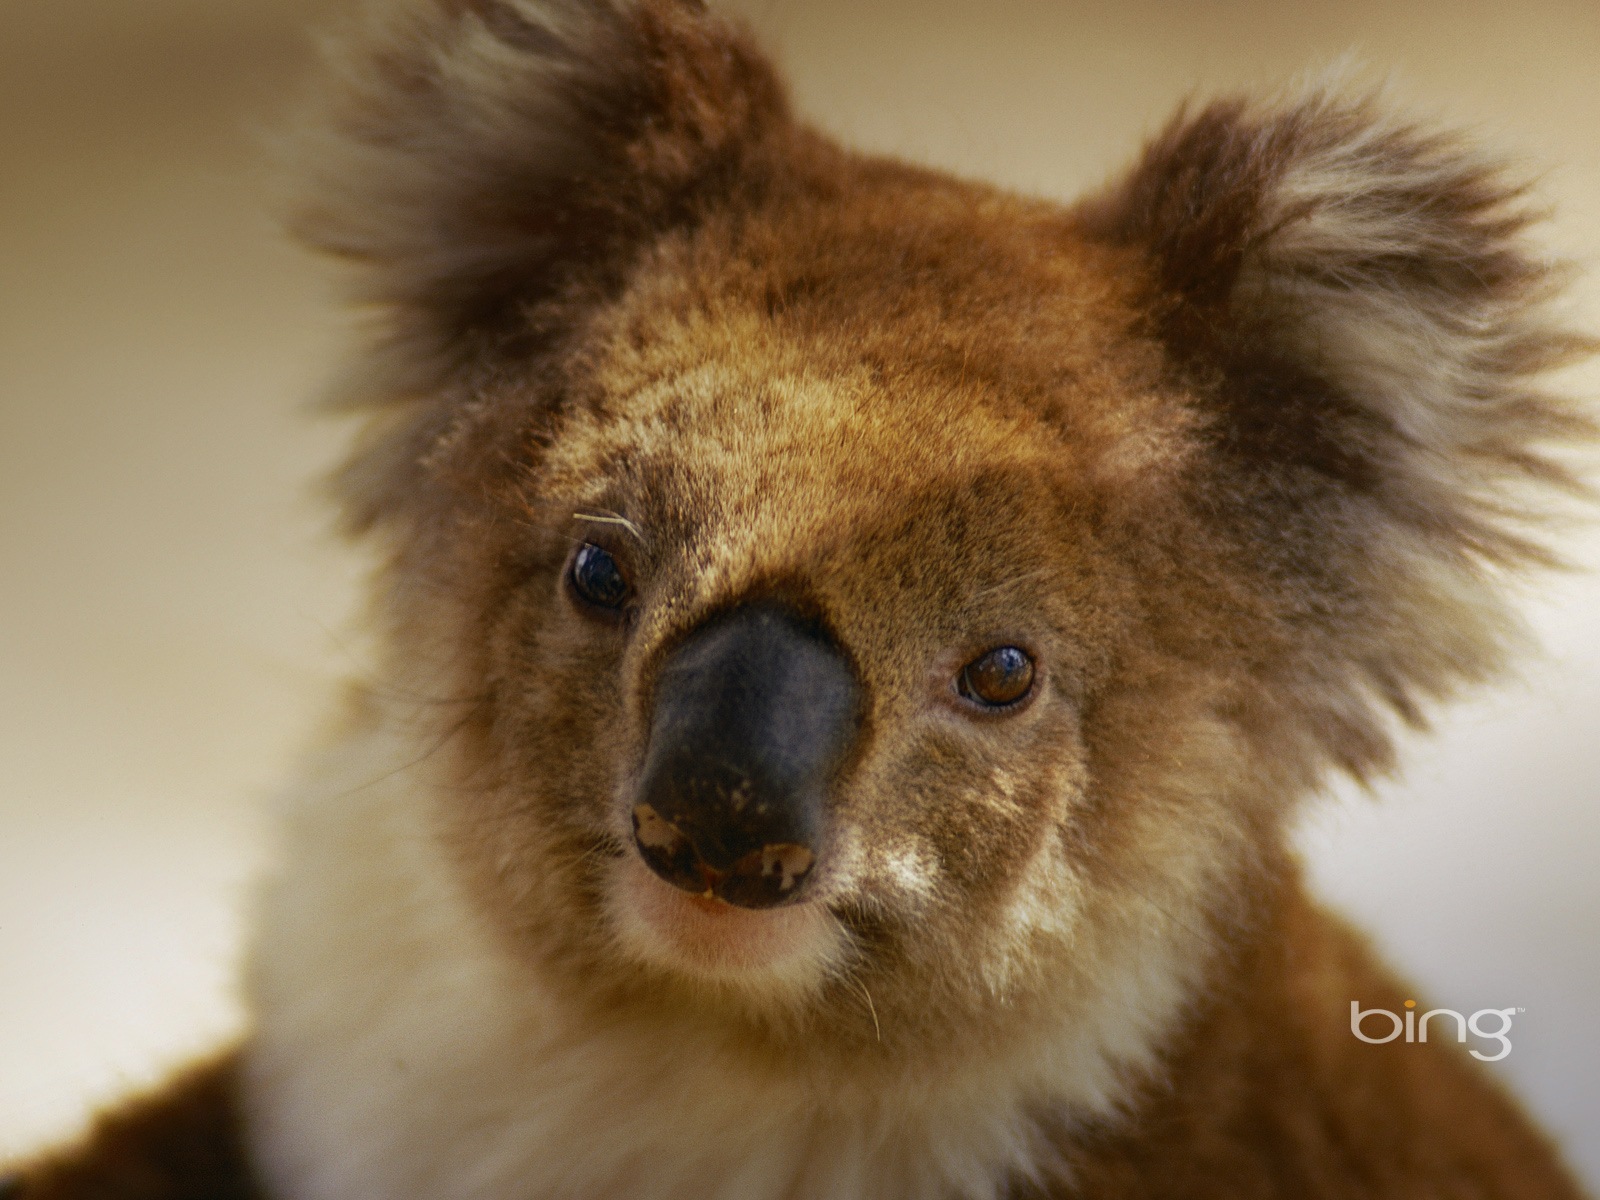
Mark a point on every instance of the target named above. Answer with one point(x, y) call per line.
point(844, 599)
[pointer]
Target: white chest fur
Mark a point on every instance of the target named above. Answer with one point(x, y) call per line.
point(397, 1055)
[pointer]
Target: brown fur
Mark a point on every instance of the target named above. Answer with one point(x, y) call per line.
point(1237, 449)
point(1270, 1096)
point(180, 1143)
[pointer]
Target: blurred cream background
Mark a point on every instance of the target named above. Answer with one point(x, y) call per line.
point(171, 608)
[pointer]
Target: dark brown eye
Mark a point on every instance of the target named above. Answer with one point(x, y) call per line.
point(597, 577)
point(997, 679)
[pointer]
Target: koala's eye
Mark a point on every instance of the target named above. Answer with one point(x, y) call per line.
point(598, 577)
point(997, 679)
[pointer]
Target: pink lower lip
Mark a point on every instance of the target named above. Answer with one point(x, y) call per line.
point(705, 933)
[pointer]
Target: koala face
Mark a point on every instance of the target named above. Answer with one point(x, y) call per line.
point(873, 605)
point(880, 534)
point(921, 438)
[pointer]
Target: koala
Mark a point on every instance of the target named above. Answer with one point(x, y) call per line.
point(851, 642)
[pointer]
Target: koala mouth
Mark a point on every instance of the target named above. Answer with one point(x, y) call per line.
point(709, 938)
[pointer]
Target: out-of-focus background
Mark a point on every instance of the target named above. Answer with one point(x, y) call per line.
point(172, 611)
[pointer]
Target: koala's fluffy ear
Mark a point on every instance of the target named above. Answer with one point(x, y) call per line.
point(1352, 302)
point(1354, 298)
point(487, 166)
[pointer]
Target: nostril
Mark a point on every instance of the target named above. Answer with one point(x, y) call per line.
point(667, 850)
point(766, 877)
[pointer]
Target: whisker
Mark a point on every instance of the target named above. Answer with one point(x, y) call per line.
point(369, 684)
point(611, 518)
point(419, 760)
point(872, 1008)
point(1014, 581)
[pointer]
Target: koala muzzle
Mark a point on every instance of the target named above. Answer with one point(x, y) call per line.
point(754, 714)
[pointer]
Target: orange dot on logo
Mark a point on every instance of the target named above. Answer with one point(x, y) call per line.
point(1411, 1003)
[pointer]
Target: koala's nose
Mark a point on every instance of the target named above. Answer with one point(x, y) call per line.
point(754, 713)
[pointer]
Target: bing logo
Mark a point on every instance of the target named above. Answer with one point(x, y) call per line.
point(1415, 1028)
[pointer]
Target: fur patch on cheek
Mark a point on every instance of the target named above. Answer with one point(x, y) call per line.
point(912, 868)
point(1038, 922)
point(894, 873)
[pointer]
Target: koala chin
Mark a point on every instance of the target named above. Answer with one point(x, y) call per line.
point(852, 641)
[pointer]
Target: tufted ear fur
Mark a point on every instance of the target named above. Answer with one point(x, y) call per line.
point(1357, 296)
point(1356, 309)
point(488, 167)
point(1353, 300)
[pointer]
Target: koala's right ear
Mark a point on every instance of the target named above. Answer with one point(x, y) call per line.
point(488, 167)
point(475, 150)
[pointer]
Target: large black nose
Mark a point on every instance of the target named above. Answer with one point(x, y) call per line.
point(754, 713)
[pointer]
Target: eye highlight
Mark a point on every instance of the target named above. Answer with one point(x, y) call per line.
point(997, 679)
point(597, 578)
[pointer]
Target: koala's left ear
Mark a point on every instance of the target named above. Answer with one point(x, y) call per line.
point(1353, 298)
point(473, 153)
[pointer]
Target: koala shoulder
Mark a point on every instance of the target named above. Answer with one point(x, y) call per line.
point(184, 1141)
